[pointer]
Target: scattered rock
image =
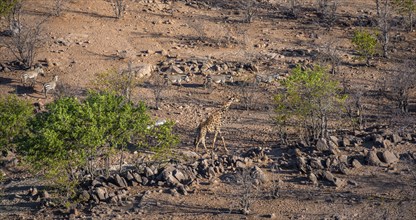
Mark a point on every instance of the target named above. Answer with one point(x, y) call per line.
point(389, 158)
point(322, 145)
point(356, 164)
point(120, 181)
point(312, 177)
point(372, 158)
point(101, 193)
point(259, 175)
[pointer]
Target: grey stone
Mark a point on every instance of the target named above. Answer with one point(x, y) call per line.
point(101, 193)
point(129, 176)
point(372, 158)
point(343, 169)
point(120, 181)
point(137, 178)
point(322, 145)
point(396, 138)
point(346, 142)
point(389, 158)
point(316, 163)
point(148, 172)
point(301, 164)
point(258, 173)
point(145, 181)
point(312, 177)
point(386, 143)
point(240, 164)
point(328, 176)
point(179, 175)
point(356, 164)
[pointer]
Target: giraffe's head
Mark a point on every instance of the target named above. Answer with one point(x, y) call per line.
point(230, 101)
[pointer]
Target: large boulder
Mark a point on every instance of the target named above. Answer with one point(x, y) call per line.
point(143, 70)
point(389, 158)
point(372, 158)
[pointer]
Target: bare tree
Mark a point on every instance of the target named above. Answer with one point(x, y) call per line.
point(355, 108)
point(378, 7)
point(384, 25)
point(293, 8)
point(401, 83)
point(158, 87)
point(250, 8)
point(327, 10)
point(24, 43)
point(59, 4)
point(246, 181)
point(119, 7)
point(330, 54)
point(247, 93)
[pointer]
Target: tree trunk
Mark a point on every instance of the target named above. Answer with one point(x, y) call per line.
point(411, 21)
point(385, 42)
point(378, 7)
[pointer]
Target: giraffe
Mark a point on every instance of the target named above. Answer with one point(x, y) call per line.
point(213, 125)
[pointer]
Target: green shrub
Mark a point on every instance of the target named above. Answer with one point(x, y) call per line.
point(14, 115)
point(366, 44)
point(309, 102)
point(66, 138)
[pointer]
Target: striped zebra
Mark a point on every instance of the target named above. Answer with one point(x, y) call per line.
point(50, 86)
point(32, 75)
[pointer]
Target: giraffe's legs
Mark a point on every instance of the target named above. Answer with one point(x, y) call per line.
point(215, 138)
point(223, 141)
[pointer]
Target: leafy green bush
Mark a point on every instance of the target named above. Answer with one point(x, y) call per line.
point(65, 139)
point(309, 102)
point(14, 114)
point(6, 6)
point(366, 44)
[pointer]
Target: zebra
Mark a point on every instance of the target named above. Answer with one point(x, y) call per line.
point(32, 75)
point(177, 79)
point(50, 86)
point(266, 78)
point(218, 79)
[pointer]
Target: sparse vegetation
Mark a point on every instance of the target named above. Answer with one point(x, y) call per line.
point(312, 125)
point(14, 115)
point(309, 103)
point(119, 7)
point(366, 44)
point(25, 42)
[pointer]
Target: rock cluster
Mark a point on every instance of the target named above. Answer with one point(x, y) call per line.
point(206, 66)
point(176, 176)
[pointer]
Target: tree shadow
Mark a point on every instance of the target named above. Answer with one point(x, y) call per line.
point(91, 14)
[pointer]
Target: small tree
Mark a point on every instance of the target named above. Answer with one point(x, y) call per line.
point(407, 7)
point(122, 82)
point(384, 19)
point(326, 10)
point(330, 54)
point(119, 7)
point(59, 4)
point(250, 8)
point(365, 43)
point(401, 83)
point(309, 103)
point(25, 43)
point(158, 87)
point(14, 116)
